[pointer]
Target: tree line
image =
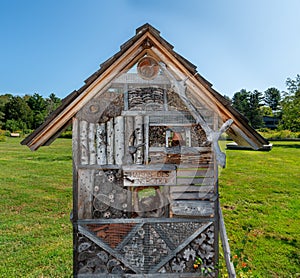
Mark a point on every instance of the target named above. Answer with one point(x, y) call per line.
point(25, 113)
point(282, 106)
point(28, 112)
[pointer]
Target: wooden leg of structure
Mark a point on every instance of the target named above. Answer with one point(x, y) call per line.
point(225, 245)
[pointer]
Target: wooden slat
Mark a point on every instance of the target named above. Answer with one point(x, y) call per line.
point(191, 196)
point(191, 188)
point(192, 208)
point(194, 181)
point(181, 172)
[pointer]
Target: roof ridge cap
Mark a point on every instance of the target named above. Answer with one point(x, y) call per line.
point(146, 27)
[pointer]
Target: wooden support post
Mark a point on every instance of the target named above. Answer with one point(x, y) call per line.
point(110, 141)
point(225, 245)
point(91, 143)
point(84, 158)
point(119, 139)
point(101, 144)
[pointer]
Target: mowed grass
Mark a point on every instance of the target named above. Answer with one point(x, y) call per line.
point(259, 195)
point(260, 198)
point(35, 205)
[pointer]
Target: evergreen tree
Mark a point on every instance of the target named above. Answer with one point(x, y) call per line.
point(248, 104)
point(272, 98)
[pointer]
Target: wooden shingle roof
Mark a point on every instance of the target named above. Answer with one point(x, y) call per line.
point(146, 37)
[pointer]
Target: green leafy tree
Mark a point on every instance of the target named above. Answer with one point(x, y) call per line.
point(272, 98)
point(18, 110)
point(3, 100)
point(38, 107)
point(291, 106)
point(266, 111)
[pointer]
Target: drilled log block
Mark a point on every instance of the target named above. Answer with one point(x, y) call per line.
point(91, 143)
point(139, 140)
point(84, 158)
point(101, 144)
point(192, 208)
point(85, 190)
point(119, 139)
point(110, 141)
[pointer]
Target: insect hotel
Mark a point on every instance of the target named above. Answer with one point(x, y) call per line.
point(145, 163)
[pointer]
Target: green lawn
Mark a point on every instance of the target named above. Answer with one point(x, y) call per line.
point(259, 194)
point(260, 197)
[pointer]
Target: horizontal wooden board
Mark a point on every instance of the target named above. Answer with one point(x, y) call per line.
point(194, 181)
point(191, 188)
point(192, 208)
point(149, 178)
point(192, 196)
point(195, 173)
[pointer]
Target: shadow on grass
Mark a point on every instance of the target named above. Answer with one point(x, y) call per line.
point(47, 158)
point(294, 146)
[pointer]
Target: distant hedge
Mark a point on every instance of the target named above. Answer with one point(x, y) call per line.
point(279, 134)
point(2, 135)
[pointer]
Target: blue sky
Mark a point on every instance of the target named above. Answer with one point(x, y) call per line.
point(52, 46)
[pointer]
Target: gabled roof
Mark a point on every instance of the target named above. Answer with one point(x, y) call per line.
point(147, 39)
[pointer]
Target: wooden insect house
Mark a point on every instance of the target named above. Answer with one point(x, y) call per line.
point(145, 163)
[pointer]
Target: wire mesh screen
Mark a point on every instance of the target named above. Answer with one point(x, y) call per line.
point(144, 248)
